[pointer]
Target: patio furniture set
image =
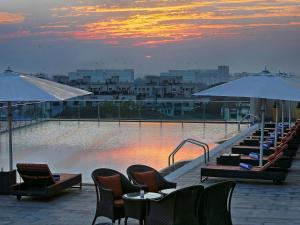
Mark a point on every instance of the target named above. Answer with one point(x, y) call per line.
point(243, 161)
point(146, 196)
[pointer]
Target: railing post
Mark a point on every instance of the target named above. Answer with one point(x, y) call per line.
point(78, 112)
point(98, 111)
point(226, 128)
point(59, 117)
point(161, 117)
point(204, 113)
point(31, 114)
point(140, 115)
point(119, 112)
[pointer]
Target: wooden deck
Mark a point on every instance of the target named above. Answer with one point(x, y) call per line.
point(254, 203)
point(261, 203)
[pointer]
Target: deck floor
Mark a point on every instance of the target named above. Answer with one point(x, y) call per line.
point(253, 203)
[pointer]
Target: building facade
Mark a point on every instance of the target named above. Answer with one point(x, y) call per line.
point(208, 77)
point(118, 83)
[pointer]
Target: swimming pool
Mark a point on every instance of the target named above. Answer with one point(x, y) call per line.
point(69, 146)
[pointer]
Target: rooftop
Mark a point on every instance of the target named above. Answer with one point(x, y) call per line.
point(259, 203)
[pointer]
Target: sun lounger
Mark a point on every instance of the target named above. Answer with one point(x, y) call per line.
point(236, 159)
point(39, 181)
point(247, 149)
point(266, 172)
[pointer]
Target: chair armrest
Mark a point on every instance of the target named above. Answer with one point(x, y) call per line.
point(160, 209)
point(164, 184)
point(171, 184)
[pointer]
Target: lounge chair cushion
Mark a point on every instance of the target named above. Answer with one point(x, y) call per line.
point(147, 178)
point(35, 174)
point(113, 183)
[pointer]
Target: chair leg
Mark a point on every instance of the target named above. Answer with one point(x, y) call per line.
point(94, 220)
point(119, 221)
point(125, 222)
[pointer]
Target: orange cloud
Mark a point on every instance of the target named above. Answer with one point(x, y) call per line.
point(10, 18)
point(155, 22)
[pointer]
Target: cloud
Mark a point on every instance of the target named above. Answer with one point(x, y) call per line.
point(10, 18)
point(160, 22)
point(157, 22)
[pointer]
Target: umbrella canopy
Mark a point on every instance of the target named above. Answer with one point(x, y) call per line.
point(15, 87)
point(257, 86)
point(263, 86)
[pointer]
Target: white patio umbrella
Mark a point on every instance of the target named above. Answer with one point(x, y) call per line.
point(262, 86)
point(295, 82)
point(15, 87)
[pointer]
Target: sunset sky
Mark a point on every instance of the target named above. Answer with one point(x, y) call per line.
point(58, 36)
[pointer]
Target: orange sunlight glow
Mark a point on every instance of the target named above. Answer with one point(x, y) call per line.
point(151, 23)
point(156, 22)
point(10, 18)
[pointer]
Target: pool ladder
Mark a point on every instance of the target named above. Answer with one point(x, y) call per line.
point(192, 141)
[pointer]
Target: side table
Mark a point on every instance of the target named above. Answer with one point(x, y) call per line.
point(7, 178)
point(135, 205)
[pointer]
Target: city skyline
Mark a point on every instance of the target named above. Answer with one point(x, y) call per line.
point(149, 36)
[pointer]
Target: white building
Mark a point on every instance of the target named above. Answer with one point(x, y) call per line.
point(103, 76)
point(208, 77)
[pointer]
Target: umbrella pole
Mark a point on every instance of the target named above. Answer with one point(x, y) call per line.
point(9, 120)
point(282, 119)
point(261, 151)
point(276, 124)
point(289, 114)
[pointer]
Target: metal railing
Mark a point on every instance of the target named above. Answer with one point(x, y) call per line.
point(203, 145)
point(171, 110)
point(149, 110)
point(24, 114)
point(245, 117)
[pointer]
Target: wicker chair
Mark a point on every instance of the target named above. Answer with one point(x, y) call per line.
point(161, 182)
point(178, 208)
point(107, 204)
point(215, 204)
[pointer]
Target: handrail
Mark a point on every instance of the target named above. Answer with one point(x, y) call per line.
point(192, 141)
point(243, 118)
point(22, 104)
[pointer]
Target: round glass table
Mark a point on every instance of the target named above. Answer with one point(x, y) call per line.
point(167, 191)
point(135, 205)
point(137, 196)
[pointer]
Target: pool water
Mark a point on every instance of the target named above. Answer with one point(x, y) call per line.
point(69, 146)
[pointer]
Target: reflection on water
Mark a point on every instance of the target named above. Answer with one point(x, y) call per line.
point(80, 148)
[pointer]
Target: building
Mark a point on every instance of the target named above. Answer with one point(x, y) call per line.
point(63, 79)
point(178, 84)
point(155, 87)
point(208, 77)
point(120, 83)
point(102, 76)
